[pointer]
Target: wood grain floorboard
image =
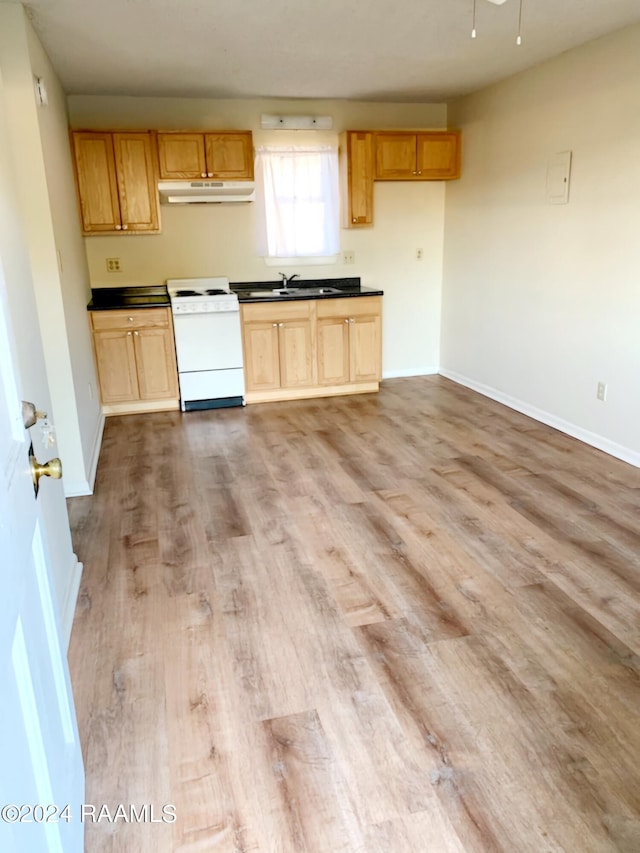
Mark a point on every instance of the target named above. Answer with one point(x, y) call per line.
point(313, 792)
point(406, 622)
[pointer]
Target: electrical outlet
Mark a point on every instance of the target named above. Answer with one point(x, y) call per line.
point(418, 254)
point(113, 265)
point(348, 257)
point(602, 391)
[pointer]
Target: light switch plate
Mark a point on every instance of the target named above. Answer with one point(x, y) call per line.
point(558, 175)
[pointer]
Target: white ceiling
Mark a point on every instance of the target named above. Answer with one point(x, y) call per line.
point(384, 50)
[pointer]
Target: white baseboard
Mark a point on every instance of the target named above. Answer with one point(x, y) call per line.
point(76, 488)
point(69, 606)
point(409, 371)
point(590, 438)
point(95, 451)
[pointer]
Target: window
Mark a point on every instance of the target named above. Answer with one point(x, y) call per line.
point(297, 202)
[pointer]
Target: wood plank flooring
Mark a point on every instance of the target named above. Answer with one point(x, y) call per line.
point(376, 624)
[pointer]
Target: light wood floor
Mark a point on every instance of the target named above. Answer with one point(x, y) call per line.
point(387, 623)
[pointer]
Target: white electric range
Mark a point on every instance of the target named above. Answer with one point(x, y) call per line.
point(206, 321)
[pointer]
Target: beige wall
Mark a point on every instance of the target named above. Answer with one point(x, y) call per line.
point(541, 302)
point(62, 283)
point(219, 240)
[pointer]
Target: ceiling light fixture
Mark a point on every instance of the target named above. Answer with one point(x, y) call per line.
point(280, 122)
point(474, 32)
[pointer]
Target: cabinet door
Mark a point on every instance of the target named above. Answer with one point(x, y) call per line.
point(365, 348)
point(261, 356)
point(439, 155)
point(156, 364)
point(229, 155)
point(296, 354)
point(97, 182)
point(137, 188)
point(395, 156)
point(181, 156)
point(356, 152)
point(116, 362)
point(333, 351)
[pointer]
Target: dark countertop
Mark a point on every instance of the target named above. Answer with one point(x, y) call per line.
point(157, 296)
point(348, 287)
point(112, 298)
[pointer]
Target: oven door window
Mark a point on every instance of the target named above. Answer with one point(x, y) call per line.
point(208, 341)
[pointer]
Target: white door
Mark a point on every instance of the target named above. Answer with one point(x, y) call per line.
point(41, 768)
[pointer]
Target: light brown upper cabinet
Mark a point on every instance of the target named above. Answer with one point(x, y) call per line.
point(367, 156)
point(185, 156)
point(117, 182)
point(421, 156)
point(357, 168)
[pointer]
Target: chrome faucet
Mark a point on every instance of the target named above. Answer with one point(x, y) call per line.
point(286, 281)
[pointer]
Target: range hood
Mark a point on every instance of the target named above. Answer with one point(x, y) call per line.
point(206, 192)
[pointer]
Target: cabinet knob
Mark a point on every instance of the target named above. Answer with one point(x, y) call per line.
point(203, 174)
point(354, 219)
point(281, 325)
point(130, 319)
point(351, 320)
point(136, 334)
point(209, 174)
point(118, 227)
point(129, 334)
point(275, 325)
point(419, 171)
point(124, 227)
point(346, 320)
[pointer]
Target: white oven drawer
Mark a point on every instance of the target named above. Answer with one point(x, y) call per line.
point(211, 384)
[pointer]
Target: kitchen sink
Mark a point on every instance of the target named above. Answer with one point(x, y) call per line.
point(294, 291)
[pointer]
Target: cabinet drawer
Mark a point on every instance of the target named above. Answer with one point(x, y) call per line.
point(358, 306)
point(276, 312)
point(140, 318)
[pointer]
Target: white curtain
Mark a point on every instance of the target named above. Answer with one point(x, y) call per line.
point(297, 201)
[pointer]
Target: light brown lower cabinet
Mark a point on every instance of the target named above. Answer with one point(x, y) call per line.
point(278, 347)
point(349, 340)
point(312, 348)
point(136, 360)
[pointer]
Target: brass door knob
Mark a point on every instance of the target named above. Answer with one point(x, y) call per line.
point(52, 468)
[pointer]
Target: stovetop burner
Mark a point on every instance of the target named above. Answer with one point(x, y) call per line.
point(193, 295)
